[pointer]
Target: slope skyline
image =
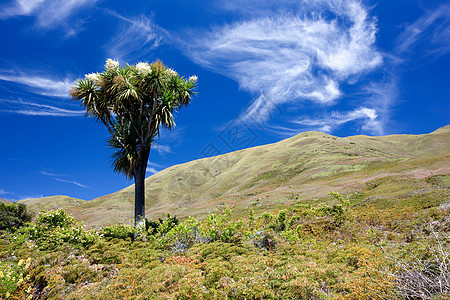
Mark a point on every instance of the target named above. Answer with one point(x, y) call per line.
point(385, 170)
point(266, 72)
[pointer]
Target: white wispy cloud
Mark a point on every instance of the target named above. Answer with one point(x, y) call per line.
point(56, 177)
point(50, 174)
point(376, 100)
point(14, 197)
point(381, 96)
point(46, 86)
point(162, 149)
point(3, 192)
point(367, 117)
point(289, 52)
point(20, 8)
point(35, 109)
point(48, 13)
point(432, 31)
point(72, 182)
point(153, 168)
point(136, 37)
point(292, 58)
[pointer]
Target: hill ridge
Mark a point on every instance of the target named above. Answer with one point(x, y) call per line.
point(305, 167)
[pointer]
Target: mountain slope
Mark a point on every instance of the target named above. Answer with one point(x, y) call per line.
point(304, 168)
point(5, 201)
point(34, 205)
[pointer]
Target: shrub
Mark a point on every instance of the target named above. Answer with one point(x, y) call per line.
point(264, 240)
point(279, 224)
point(13, 215)
point(166, 225)
point(119, 231)
point(339, 212)
point(163, 226)
point(179, 238)
point(13, 275)
point(54, 228)
point(370, 277)
point(301, 252)
point(217, 227)
point(183, 236)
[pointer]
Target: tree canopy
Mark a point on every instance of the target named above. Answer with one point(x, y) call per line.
point(134, 102)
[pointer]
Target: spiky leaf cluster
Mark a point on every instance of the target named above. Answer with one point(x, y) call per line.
point(133, 102)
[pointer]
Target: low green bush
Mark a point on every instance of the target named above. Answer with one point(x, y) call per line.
point(294, 251)
point(218, 227)
point(54, 228)
point(119, 231)
point(13, 275)
point(13, 216)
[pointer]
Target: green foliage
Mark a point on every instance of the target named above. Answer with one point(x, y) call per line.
point(279, 223)
point(217, 227)
point(54, 228)
point(163, 227)
point(183, 236)
point(339, 212)
point(13, 275)
point(375, 254)
point(124, 232)
point(133, 102)
point(13, 216)
point(119, 231)
point(54, 219)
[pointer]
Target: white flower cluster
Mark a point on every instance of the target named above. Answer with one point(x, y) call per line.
point(111, 64)
point(171, 72)
point(143, 68)
point(94, 77)
point(193, 79)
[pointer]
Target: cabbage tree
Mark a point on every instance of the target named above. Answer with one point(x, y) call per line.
point(134, 102)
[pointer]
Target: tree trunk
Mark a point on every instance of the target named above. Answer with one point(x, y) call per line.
point(139, 198)
point(139, 193)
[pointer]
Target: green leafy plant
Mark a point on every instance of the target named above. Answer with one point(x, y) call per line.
point(13, 216)
point(217, 227)
point(119, 231)
point(338, 211)
point(162, 226)
point(279, 223)
point(312, 258)
point(13, 275)
point(54, 228)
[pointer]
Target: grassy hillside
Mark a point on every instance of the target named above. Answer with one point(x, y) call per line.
point(302, 169)
point(286, 237)
point(35, 205)
point(4, 201)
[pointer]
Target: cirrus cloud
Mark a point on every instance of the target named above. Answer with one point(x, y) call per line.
point(136, 37)
point(431, 31)
point(48, 13)
point(36, 109)
point(293, 58)
point(46, 86)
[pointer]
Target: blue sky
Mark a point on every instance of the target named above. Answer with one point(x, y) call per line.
point(267, 70)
